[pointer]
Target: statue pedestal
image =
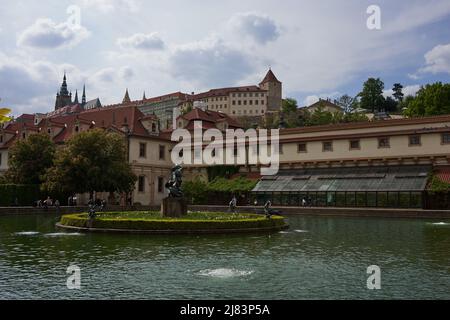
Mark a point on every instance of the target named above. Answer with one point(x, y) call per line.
point(173, 207)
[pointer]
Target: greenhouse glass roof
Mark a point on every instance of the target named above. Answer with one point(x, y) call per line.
point(399, 178)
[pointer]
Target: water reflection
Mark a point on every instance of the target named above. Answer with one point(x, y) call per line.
point(317, 258)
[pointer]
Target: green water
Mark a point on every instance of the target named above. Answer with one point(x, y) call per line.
point(318, 258)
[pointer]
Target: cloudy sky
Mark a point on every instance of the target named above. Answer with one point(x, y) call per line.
point(317, 48)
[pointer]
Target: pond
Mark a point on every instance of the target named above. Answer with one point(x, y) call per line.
point(317, 258)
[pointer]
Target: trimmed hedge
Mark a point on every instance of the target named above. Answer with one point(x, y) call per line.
point(252, 221)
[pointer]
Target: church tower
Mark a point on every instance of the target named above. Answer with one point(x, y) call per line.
point(126, 99)
point(274, 89)
point(63, 97)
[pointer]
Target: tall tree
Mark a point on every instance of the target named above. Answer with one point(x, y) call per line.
point(91, 161)
point(372, 95)
point(390, 105)
point(289, 105)
point(346, 102)
point(433, 99)
point(398, 92)
point(29, 159)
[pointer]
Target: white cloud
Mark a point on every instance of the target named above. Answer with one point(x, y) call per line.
point(109, 6)
point(437, 60)
point(112, 75)
point(261, 28)
point(141, 41)
point(210, 63)
point(46, 34)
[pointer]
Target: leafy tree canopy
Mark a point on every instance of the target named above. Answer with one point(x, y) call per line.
point(93, 160)
point(372, 95)
point(433, 99)
point(30, 158)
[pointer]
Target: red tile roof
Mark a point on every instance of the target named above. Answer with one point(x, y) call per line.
point(209, 117)
point(443, 174)
point(270, 76)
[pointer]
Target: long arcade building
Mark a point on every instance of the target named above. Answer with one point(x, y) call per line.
point(379, 163)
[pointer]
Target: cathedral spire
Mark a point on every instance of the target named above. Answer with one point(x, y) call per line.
point(144, 97)
point(126, 99)
point(75, 101)
point(83, 97)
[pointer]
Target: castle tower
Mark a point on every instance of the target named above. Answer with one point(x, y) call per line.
point(274, 89)
point(63, 98)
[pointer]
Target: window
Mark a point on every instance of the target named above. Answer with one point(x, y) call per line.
point(355, 145)
point(327, 146)
point(234, 102)
point(383, 143)
point(239, 102)
point(262, 101)
point(160, 184)
point(142, 150)
point(446, 138)
point(154, 127)
point(141, 184)
point(1, 139)
point(162, 152)
point(24, 135)
point(301, 148)
point(415, 140)
point(77, 128)
point(256, 102)
point(251, 102)
point(245, 102)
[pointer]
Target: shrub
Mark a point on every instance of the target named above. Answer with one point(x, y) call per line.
point(26, 194)
point(155, 223)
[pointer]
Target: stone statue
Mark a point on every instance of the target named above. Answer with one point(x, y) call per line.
point(174, 183)
point(232, 205)
point(267, 209)
point(174, 205)
point(92, 209)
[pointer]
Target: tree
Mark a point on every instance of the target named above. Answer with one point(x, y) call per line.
point(4, 114)
point(91, 161)
point(346, 102)
point(433, 99)
point(404, 105)
point(398, 93)
point(372, 95)
point(320, 117)
point(289, 105)
point(30, 158)
point(390, 105)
